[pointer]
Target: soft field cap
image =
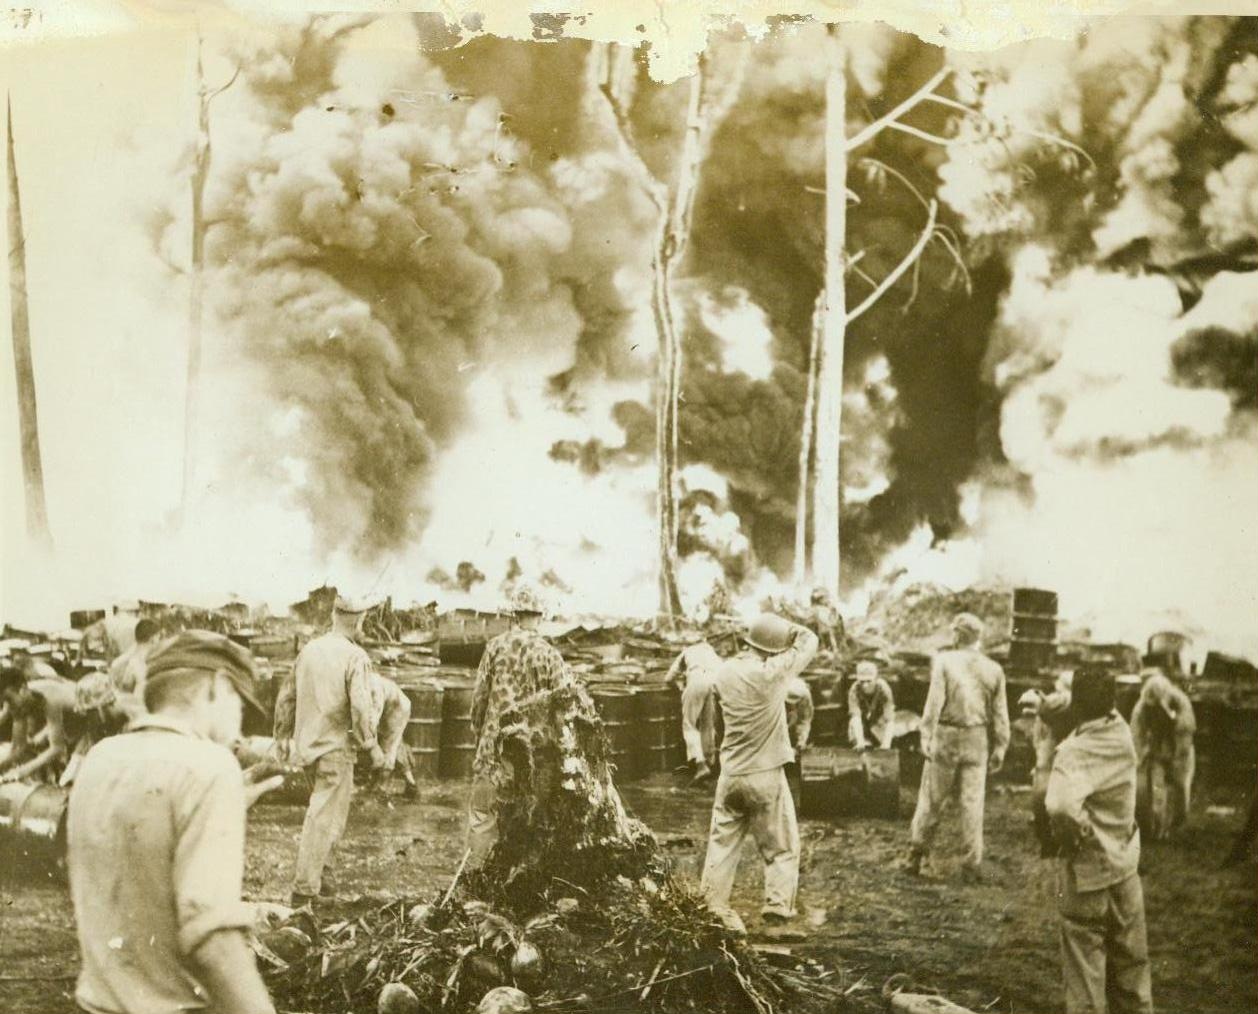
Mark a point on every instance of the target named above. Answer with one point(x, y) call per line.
point(204, 651)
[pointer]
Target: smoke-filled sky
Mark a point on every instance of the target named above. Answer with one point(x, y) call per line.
point(429, 336)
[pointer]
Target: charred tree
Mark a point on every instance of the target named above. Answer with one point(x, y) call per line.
point(614, 71)
point(202, 159)
point(28, 415)
point(836, 316)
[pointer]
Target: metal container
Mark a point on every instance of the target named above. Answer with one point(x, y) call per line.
point(618, 708)
point(1034, 628)
point(659, 719)
point(1032, 654)
point(423, 731)
point(81, 619)
point(1034, 602)
point(32, 827)
point(839, 782)
point(458, 741)
point(273, 645)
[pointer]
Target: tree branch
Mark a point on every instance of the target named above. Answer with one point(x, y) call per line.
point(925, 135)
point(899, 269)
point(899, 176)
point(871, 130)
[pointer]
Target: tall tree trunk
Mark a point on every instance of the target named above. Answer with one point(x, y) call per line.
point(826, 499)
point(28, 415)
point(807, 429)
point(196, 289)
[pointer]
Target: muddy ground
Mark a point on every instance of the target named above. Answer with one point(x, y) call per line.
point(991, 947)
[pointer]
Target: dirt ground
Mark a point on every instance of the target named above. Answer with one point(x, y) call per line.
point(991, 947)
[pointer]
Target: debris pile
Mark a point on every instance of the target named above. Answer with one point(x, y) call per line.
point(919, 616)
point(575, 906)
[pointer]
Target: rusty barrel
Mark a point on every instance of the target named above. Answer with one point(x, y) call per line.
point(32, 827)
point(829, 707)
point(458, 741)
point(838, 782)
point(659, 724)
point(423, 731)
point(1033, 629)
point(618, 708)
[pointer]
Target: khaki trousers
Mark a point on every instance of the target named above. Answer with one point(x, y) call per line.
point(1164, 786)
point(482, 821)
point(332, 776)
point(760, 805)
point(957, 769)
point(1104, 950)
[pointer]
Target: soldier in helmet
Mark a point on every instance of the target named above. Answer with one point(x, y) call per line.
point(516, 665)
point(752, 793)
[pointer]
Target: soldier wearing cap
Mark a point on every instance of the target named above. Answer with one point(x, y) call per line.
point(155, 840)
point(870, 708)
point(329, 704)
point(752, 793)
point(516, 665)
point(964, 735)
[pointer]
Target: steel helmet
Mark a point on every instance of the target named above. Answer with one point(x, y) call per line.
point(525, 599)
point(770, 633)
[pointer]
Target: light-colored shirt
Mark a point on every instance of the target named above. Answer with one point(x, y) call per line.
point(332, 684)
point(695, 668)
point(386, 697)
point(799, 711)
point(156, 837)
point(1162, 714)
point(870, 712)
point(967, 689)
point(1091, 800)
point(752, 692)
point(129, 670)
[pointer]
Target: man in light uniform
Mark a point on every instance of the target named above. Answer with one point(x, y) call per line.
point(964, 735)
point(332, 719)
point(1091, 802)
point(155, 843)
point(870, 709)
point(391, 710)
point(516, 665)
point(1163, 725)
point(752, 794)
point(127, 671)
point(694, 670)
point(1052, 721)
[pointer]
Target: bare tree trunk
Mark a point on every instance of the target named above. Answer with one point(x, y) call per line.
point(28, 415)
point(826, 499)
point(807, 429)
point(196, 290)
point(705, 109)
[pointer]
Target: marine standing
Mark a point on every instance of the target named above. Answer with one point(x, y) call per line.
point(964, 736)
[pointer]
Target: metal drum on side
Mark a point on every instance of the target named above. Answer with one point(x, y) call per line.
point(32, 827)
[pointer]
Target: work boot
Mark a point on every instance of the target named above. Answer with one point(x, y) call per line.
point(972, 875)
point(913, 864)
point(411, 791)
